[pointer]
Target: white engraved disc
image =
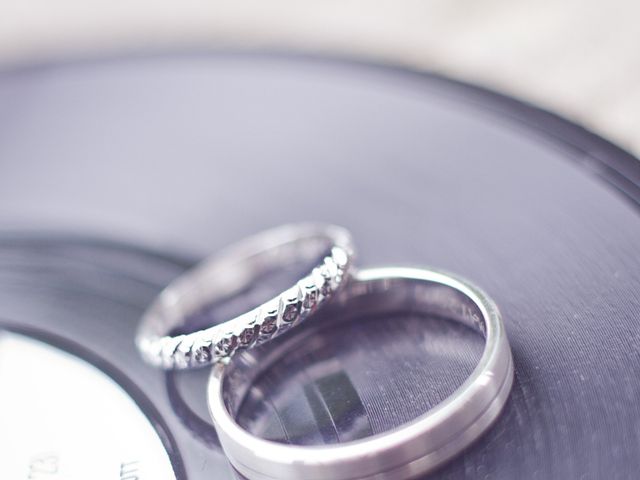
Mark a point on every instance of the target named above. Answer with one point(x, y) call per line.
point(62, 418)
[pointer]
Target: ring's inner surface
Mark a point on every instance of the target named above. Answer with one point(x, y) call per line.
point(236, 281)
point(378, 358)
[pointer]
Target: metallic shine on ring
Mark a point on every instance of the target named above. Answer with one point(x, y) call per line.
point(408, 451)
point(229, 273)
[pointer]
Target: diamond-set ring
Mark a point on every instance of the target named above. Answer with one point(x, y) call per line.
point(228, 274)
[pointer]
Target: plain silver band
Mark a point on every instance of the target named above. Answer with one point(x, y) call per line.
point(229, 273)
point(407, 451)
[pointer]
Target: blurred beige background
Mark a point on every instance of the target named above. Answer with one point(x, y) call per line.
point(577, 58)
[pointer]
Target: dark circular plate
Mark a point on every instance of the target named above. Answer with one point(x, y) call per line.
point(188, 153)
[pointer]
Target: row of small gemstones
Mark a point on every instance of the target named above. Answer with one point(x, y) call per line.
point(260, 325)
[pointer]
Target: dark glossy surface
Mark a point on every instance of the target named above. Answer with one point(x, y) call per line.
point(189, 154)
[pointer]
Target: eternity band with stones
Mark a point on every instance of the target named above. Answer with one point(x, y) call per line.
point(227, 275)
point(407, 451)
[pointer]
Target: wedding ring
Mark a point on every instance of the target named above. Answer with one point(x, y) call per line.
point(227, 275)
point(408, 451)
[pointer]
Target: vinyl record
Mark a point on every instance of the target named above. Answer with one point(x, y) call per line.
point(117, 175)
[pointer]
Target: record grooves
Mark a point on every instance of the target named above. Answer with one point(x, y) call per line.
point(190, 153)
